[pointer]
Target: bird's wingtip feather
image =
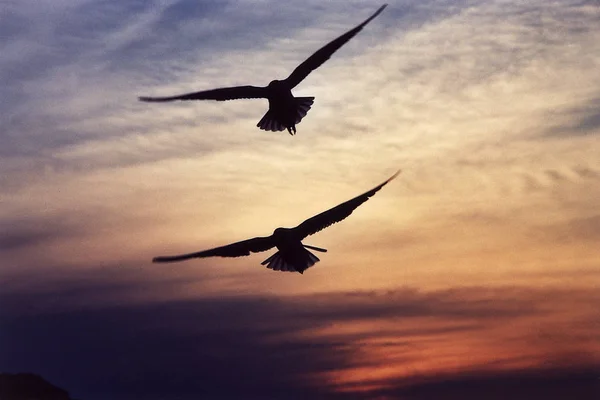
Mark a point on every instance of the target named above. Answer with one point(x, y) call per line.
point(167, 259)
point(379, 10)
point(394, 176)
point(375, 14)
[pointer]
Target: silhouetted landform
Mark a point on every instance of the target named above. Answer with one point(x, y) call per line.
point(293, 254)
point(26, 386)
point(285, 110)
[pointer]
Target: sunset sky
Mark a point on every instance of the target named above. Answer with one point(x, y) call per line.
point(476, 271)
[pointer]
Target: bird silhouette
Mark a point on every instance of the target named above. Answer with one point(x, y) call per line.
point(285, 110)
point(293, 254)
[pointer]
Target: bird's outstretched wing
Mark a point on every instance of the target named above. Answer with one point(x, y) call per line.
point(317, 59)
point(238, 249)
point(222, 94)
point(337, 213)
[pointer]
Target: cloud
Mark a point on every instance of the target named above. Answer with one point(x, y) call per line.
point(23, 234)
point(179, 350)
point(582, 120)
point(289, 347)
point(583, 229)
point(586, 228)
point(547, 384)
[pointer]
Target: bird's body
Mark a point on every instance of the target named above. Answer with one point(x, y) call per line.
point(292, 254)
point(285, 110)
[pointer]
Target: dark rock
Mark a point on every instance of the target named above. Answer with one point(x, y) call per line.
point(29, 387)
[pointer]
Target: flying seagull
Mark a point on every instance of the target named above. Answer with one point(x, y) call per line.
point(293, 254)
point(285, 110)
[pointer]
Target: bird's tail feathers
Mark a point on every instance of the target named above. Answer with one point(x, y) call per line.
point(301, 262)
point(303, 104)
point(269, 123)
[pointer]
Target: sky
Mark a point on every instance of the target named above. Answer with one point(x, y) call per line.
point(473, 274)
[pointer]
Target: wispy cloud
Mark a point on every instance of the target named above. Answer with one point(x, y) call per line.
point(580, 120)
point(27, 233)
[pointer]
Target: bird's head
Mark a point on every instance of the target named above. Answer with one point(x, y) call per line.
point(281, 233)
point(274, 84)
